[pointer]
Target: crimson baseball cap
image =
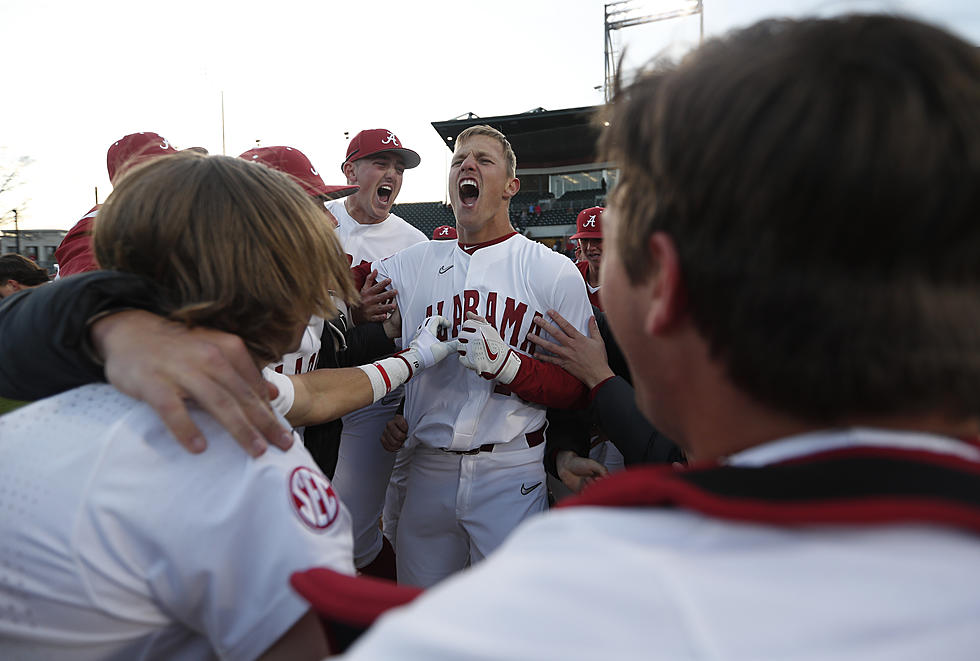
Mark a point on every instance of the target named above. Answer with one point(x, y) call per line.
point(353, 601)
point(134, 148)
point(295, 163)
point(374, 141)
point(588, 225)
point(444, 233)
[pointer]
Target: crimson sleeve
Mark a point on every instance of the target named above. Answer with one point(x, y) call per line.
point(543, 383)
point(360, 273)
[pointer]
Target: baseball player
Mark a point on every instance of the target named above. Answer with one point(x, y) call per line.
point(295, 163)
point(376, 162)
point(477, 469)
point(116, 542)
point(588, 234)
point(444, 233)
point(808, 333)
point(74, 253)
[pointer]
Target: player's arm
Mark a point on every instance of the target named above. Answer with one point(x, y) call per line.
point(304, 640)
point(530, 379)
point(322, 395)
point(482, 350)
point(96, 326)
point(46, 348)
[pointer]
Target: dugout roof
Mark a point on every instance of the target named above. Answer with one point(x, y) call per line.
point(540, 138)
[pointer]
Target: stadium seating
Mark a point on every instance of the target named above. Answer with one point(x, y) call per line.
point(426, 216)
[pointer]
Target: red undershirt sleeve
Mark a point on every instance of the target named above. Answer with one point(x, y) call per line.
point(543, 383)
point(360, 273)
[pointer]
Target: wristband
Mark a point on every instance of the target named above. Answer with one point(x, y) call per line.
point(387, 374)
point(287, 393)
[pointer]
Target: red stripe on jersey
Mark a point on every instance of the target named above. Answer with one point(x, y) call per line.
point(470, 248)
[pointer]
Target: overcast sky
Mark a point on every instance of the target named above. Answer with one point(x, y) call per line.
point(78, 75)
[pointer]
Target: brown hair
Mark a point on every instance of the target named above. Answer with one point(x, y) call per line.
point(23, 270)
point(232, 245)
point(821, 181)
point(490, 132)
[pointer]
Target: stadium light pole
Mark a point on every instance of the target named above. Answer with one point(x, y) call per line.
point(629, 13)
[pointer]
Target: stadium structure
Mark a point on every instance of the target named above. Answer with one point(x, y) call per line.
point(556, 149)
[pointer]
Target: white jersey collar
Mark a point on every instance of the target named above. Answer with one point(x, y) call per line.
point(801, 445)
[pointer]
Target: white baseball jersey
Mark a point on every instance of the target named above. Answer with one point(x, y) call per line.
point(679, 584)
point(115, 542)
point(304, 358)
point(366, 243)
point(363, 465)
point(509, 282)
point(459, 508)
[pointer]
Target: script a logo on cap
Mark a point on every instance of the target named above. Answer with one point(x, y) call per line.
point(391, 139)
point(590, 222)
point(312, 498)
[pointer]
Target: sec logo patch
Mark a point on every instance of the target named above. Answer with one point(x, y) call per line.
point(313, 499)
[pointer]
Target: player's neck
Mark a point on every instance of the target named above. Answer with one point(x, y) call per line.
point(497, 227)
point(593, 274)
point(361, 214)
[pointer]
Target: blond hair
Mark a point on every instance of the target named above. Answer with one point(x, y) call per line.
point(490, 132)
point(232, 245)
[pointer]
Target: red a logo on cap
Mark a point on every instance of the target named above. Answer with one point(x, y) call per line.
point(590, 222)
point(391, 139)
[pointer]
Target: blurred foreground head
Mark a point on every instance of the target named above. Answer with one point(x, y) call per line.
point(820, 181)
point(233, 245)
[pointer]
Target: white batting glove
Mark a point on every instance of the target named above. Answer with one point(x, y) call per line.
point(425, 350)
point(482, 350)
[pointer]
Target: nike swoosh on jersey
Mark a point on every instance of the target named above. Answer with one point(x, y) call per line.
point(491, 355)
point(443, 269)
point(526, 490)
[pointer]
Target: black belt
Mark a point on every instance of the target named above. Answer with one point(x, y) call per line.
point(534, 439)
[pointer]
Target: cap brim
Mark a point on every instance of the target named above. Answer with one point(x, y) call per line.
point(354, 601)
point(411, 159)
point(586, 235)
point(337, 192)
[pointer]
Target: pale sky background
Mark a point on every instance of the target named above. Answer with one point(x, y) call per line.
point(76, 76)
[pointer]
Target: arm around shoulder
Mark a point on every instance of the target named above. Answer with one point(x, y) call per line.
point(46, 347)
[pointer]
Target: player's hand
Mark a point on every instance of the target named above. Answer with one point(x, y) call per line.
point(482, 350)
point(377, 302)
point(582, 357)
point(425, 349)
point(164, 363)
point(395, 433)
point(393, 324)
point(577, 472)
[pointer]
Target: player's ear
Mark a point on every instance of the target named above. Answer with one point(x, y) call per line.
point(350, 172)
point(510, 190)
point(665, 286)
